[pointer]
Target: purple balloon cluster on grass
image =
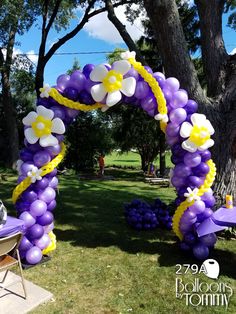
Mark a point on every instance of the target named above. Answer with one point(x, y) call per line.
point(143, 216)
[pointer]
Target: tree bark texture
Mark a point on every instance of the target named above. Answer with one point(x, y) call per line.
point(220, 71)
point(12, 141)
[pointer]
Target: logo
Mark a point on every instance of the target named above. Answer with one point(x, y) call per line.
point(198, 292)
point(212, 268)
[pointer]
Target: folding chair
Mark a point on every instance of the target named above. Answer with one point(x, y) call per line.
point(10, 245)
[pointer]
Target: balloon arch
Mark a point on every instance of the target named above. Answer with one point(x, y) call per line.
point(187, 133)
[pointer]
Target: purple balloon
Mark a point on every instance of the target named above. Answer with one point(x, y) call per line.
point(33, 255)
point(27, 166)
point(195, 181)
point(209, 239)
point(28, 219)
point(49, 228)
point(45, 219)
point(43, 242)
point(172, 84)
point(198, 207)
point(87, 69)
point(53, 182)
point(41, 184)
point(35, 232)
point(77, 80)
point(26, 155)
point(47, 195)
point(190, 238)
point(71, 93)
point(178, 116)
point(53, 150)
point(142, 90)
point(192, 159)
point(209, 201)
point(206, 155)
point(29, 196)
point(201, 170)
point(132, 72)
point(177, 181)
point(181, 170)
point(62, 81)
point(200, 251)
point(172, 140)
point(172, 129)
point(148, 103)
point(191, 106)
point(52, 205)
point(38, 208)
point(184, 246)
point(25, 244)
point(59, 112)
point(179, 99)
point(167, 94)
point(188, 217)
point(71, 113)
point(41, 158)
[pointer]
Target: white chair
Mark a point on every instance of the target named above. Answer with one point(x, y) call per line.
point(9, 257)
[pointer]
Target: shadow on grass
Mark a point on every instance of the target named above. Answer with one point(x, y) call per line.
point(91, 215)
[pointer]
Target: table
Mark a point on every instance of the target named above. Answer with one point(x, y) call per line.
point(13, 225)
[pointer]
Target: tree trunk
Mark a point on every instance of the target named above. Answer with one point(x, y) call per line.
point(12, 141)
point(162, 155)
point(221, 79)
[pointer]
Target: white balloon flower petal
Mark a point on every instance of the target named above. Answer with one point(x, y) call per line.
point(198, 133)
point(30, 136)
point(34, 174)
point(48, 140)
point(128, 86)
point(58, 126)
point(41, 125)
point(121, 66)
point(128, 55)
point(112, 83)
point(98, 92)
point(30, 118)
point(98, 73)
point(191, 195)
point(113, 98)
point(46, 113)
point(45, 90)
point(186, 129)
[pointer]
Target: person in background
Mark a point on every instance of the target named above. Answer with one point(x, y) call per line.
point(101, 163)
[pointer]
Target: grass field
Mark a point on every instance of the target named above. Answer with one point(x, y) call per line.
point(131, 159)
point(102, 266)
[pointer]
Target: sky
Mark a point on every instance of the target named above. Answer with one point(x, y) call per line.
point(98, 35)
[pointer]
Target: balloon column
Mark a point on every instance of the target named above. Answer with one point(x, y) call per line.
point(187, 132)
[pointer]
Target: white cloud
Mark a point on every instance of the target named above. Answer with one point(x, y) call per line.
point(100, 27)
point(233, 51)
point(31, 55)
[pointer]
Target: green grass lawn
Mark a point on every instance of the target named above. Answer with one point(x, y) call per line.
point(102, 266)
point(130, 159)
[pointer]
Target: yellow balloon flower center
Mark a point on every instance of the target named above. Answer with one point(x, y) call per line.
point(42, 126)
point(112, 81)
point(199, 135)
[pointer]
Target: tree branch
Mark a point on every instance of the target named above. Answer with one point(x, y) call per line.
point(71, 34)
point(214, 55)
point(53, 16)
point(171, 42)
point(122, 31)
point(86, 17)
